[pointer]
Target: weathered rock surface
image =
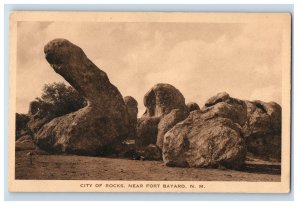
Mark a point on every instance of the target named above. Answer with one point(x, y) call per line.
point(222, 105)
point(202, 141)
point(25, 143)
point(132, 109)
point(98, 128)
point(222, 132)
point(210, 137)
point(167, 122)
point(39, 115)
point(146, 131)
point(192, 106)
point(161, 99)
point(165, 106)
point(263, 129)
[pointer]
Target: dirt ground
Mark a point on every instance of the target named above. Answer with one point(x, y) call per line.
point(72, 167)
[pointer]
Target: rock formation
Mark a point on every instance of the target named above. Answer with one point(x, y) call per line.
point(262, 130)
point(210, 137)
point(132, 109)
point(39, 115)
point(222, 105)
point(217, 135)
point(146, 131)
point(165, 106)
point(192, 106)
point(161, 99)
point(98, 128)
point(202, 141)
point(222, 132)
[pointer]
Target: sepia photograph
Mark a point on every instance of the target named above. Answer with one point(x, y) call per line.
point(149, 102)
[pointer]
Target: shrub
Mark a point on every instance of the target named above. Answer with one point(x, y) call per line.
point(59, 99)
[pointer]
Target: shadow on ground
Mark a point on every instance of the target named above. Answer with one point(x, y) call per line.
point(262, 169)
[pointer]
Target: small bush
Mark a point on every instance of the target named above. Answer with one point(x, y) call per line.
point(59, 99)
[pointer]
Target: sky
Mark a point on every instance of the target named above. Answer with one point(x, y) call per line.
point(199, 59)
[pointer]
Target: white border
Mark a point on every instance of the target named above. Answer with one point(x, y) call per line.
point(295, 62)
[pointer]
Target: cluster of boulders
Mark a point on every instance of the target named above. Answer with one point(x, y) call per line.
point(218, 135)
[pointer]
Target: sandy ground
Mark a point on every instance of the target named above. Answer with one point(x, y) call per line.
point(64, 167)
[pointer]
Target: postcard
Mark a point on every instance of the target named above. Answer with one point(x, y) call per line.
point(149, 102)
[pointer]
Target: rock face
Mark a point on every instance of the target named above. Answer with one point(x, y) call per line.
point(202, 141)
point(167, 122)
point(263, 129)
point(260, 122)
point(39, 116)
point(161, 99)
point(221, 133)
point(165, 106)
point(209, 137)
point(132, 109)
point(192, 106)
point(146, 131)
point(222, 105)
point(98, 128)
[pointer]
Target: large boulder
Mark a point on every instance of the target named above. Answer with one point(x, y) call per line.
point(132, 109)
point(98, 128)
point(262, 130)
point(222, 105)
point(165, 106)
point(202, 141)
point(210, 137)
point(222, 132)
point(161, 99)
